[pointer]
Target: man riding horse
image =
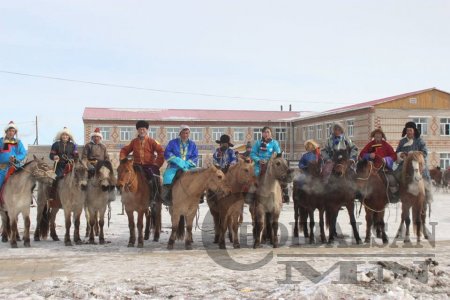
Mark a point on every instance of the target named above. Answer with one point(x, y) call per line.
point(12, 152)
point(224, 156)
point(147, 154)
point(181, 154)
point(411, 141)
point(383, 156)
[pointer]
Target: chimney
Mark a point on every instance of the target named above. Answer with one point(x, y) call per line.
point(290, 107)
point(281, 107)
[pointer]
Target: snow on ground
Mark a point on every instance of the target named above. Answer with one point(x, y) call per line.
point(50, 270)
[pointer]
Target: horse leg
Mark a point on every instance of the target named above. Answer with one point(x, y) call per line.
point(76, 230)
point(188, 239)
point(37, 230)
point(258, 227)
point(101, 223)
point(216, 218)
point(5, 225)
point(405, 216)
point(312, 239)
point(96, 226)
point(296, 217)
point(53, 234)
point(384, 237)
point(26, 232)
point(140, 228)
point(132, 239)
point(274, 229)
point(91, 223)
point(173, 234)
point(369, 224)
point(222, 229)
point(230, 232)
point(304, 222)
point(13, 237)
point(87, 215)
point(148, 221)
point(323, 238)
point(68, 223)
point(156, 213)
point(417, 219)
point(351, 214)
point(235, 227)
point(424, 216)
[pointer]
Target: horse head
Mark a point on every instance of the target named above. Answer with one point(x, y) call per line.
point(278, 167)
point(341, 162)
point(80, 173)
point(104, 175)
point(414, 166)
point(243, 172)
point(217, 181)
point(42, 171)
point(125, 174)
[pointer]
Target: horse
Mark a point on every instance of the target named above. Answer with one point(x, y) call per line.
point(412, 194)
point(43, 213)
point(266, 209)
point(307, 199)
point(136, 191)
point(186, 192)
point(227, 211)
point(71, 190)
point(446, 179)
point(17, 193)
point(340, 190)
point(436, 177)
point(375, 197)
point(100, 185)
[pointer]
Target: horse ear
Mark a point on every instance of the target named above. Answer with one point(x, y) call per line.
point(279, 154)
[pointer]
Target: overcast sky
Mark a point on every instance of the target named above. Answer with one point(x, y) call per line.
point(315, 55)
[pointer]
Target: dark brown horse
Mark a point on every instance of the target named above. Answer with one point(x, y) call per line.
point(308, 198)
point(446, 180)
point(374, 197)
point(340, 191)
point(436, 177)
point(136, 192)
point(412, 194)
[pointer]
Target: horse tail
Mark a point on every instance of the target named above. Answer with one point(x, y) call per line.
point(268, 225)
point(44, 223)
point(180, 230)
point(327, 219)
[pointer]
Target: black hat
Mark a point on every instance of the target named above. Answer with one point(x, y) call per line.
point(224, 139)
point(141, 124)
point(413, 126)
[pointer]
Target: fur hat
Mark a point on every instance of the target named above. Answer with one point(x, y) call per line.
point(142, 123)
point(378, 130)
point(184, 127)
point(313, 143)
point(413, 126)
point(10, 125)
point(64, 131)
point(225, 139)
point(338, 125)
point(96, 133)
point(249, 145)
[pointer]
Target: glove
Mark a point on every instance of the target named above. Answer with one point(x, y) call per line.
point(179, 162)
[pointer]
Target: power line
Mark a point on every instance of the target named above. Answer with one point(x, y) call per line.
point(159, 90)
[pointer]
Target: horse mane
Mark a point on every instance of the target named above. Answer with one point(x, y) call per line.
point(414, 155)
point(340, 155)
point(104, 163)
point(361, 165)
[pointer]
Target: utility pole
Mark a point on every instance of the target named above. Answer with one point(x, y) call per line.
point(36, 141)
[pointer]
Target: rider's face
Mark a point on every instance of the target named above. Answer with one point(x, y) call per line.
point(184, 134)
point(142, 132)
point(410, 133)
point(10, 133)
point(64, 137)
point(378, 137)
point(267, 134)
point(96, 139)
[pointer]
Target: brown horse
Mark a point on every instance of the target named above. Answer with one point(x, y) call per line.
point(375, 197)
point(340, 190)
point(17, 193)
point(227, 211)
point(186, 192)
point(412, 194)
point(308, 198)
point(136, 191)
point(266, 209)
point(446, 180)
point(436, 177)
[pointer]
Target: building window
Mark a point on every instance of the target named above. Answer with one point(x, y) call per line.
point(280, 134)
point(105, 132)
point(445, 126)
point(217, 132)
point(196, 134)
point(200, 161)
point(152, 132)
point(257, 134)
point(310, 132)
point(422, 124)
point(445, 160)
point(319, 131)
point(172, 133)
point(329, 129)
point(350, 128)
point(239, 134)
point(127, 133)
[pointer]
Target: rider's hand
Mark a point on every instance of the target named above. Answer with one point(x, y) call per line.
point(372, 155)
point(56, 157)
point(12, 159)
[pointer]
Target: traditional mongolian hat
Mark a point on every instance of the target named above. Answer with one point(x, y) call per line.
point(10, 125)
point(311, 143)
point(96, 133)
point(413, 126)
point(65, 130)
point(378, 130)
point(184, 127)
point(338, 125)
point(142, 124)
point(224, 139)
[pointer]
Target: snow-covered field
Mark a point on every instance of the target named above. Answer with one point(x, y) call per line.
point(294, 271)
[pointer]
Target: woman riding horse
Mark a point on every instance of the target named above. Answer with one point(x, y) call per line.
point(12, 151)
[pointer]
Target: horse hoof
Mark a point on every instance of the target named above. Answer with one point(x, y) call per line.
point(130, 245)
point(407, 241)
point(275, 245)
point(55, 238)
point(68, 243)
point(140, 245)
point(425, 237)
point(37, 239)
point(236, 246)
point(216, 241)
point(367, 241)
point(222, 246)
point(79, 242)
point(312, 241)
point(188, 247)
point(92, 242)
point(146, 238)
point(4, 239)
point(102, 241)
point(27, 244)
point(14, 245)
point(169, 247)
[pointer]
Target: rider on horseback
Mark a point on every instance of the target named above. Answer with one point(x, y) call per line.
point(12, 152)
point(411, 141)
point(312, 155)
point(149, 155)
point(181, 154)
point(63, 152)
point(383, 157)
point(224, 156)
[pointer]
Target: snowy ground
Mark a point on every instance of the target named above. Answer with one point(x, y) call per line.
point(50, 270)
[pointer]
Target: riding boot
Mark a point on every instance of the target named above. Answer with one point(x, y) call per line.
point(166, 194)
point(155, 191)
point(52, 190)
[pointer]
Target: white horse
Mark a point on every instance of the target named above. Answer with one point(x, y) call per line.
point(100, 188)
point(72, 193)
point(17, 195)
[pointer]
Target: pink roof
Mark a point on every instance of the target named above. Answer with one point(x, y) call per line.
point(93, 113)
point(375, 102)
